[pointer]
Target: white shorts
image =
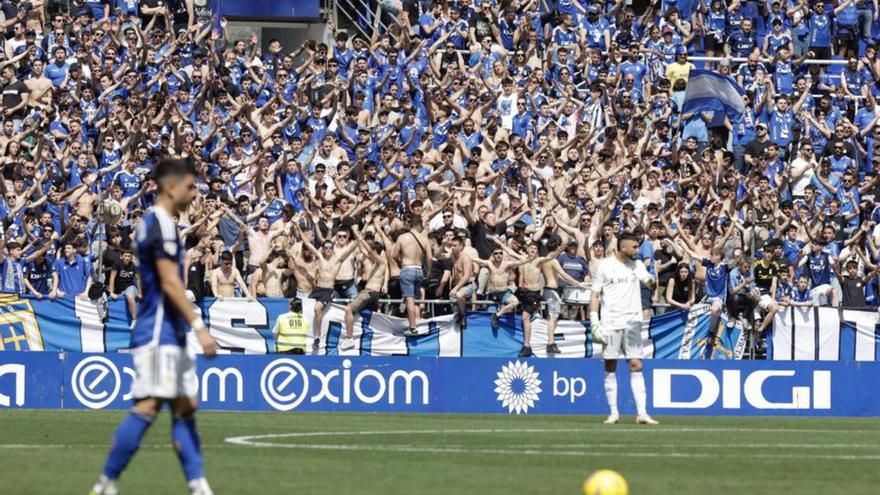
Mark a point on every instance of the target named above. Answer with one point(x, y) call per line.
point(820, 294)
point(554, 302)
point(164, 372)
point(627, 340)
point(765, 301)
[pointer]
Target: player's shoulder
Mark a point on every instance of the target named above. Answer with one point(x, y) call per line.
point(156, 222)
point(604, 265)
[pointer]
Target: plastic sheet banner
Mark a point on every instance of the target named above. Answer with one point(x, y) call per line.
point(245, 327)
point(242, 326)
point(824, 334)
point(452, 385)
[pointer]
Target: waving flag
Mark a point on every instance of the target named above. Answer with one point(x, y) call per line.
point(709, 91)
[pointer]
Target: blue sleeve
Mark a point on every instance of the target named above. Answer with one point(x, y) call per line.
point(161, 240)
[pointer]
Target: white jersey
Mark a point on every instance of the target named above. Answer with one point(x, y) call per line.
point(507, 107)
point(621, 300)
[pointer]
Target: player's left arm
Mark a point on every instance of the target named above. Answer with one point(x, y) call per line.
point(645, 277)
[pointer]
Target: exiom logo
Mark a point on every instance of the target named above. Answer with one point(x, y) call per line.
point(733, 388)
point(285, 384)
point(96, 382)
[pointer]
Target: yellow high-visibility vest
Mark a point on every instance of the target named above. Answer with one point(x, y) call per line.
point(292, 331)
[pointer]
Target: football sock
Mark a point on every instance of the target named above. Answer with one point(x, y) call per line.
point(187, 444)
point(611, 391)
point(126, 442)
point(637, 382)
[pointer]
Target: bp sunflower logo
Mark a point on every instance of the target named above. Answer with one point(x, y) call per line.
point(518, 387)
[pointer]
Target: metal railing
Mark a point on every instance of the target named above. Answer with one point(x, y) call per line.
point(358, 14)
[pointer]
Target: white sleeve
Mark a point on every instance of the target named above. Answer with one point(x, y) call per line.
point(642, 272)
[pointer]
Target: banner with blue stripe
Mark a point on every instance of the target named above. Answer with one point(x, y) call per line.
point(241, 326)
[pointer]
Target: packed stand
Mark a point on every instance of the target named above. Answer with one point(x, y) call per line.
point(476, 151)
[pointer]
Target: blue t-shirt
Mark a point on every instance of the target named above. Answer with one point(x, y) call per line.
point(575, 266)
point(72, 275)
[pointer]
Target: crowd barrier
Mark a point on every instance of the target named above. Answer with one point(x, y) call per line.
point(446, 385)
point(241, 326)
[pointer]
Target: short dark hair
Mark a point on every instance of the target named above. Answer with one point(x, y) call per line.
point(295, 305)
point(172, 168)
point(226, 256)
point(627, 236)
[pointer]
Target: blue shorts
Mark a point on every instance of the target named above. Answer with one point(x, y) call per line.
point(131, 290)
point(411, 280)
point(468, 289)
point(501, 297)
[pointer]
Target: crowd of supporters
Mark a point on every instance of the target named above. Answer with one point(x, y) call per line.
point(475, 150)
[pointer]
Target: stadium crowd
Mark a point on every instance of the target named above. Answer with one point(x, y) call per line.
point(476, 150)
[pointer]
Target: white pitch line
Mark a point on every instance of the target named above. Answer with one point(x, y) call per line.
point(593, 430)
point(688, 445)
point(254, 441)
point(568, 453)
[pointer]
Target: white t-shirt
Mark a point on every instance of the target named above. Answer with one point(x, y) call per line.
point(800, 184)
point(507, 108)
point(621, 300)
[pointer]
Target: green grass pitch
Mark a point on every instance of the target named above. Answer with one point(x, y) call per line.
point(49, 452)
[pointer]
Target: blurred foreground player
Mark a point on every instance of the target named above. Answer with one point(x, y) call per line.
point(616, 288)
point(165, 367)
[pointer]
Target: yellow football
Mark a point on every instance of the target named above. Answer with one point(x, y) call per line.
point(605, 482)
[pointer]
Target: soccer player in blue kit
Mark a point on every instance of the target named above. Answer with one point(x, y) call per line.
point(165, 366)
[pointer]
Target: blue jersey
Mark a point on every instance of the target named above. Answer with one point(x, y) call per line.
point(159, 323)
point(819, 269)
point(783, 291)
point(716, 279)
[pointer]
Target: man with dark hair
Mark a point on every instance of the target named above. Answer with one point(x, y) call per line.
point(616, 287)
point(12, 269)
point(553, 272)
point(38, 272)
point(124, 280)
point(462, 280)
point(165, 368)
point(529, 288)
point(376, 284)
point(291, 330)
point(72, 273)
point(329, 263)
point(413, 249)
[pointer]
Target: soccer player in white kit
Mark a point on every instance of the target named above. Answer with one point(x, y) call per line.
point(616, 287)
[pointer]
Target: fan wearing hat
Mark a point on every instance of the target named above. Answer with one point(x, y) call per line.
point(679, 69)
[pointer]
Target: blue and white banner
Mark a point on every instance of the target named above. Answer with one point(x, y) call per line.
point(245, 327)
point(824, 334)
point(450, 385)
point(709, 91)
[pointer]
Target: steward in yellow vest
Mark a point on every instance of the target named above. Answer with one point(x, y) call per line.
point(291, 330)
